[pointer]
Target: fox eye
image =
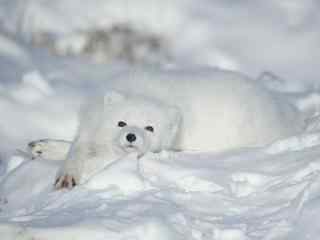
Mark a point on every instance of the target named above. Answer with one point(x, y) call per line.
point(121, 124)
point(149, 128)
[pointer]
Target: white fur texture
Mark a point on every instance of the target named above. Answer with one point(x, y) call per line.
point(220, 109)
point(101, 139)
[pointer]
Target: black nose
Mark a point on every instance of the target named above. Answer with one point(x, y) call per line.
point(131, 137)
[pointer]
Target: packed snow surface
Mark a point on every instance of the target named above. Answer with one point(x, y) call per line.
point(267, 193)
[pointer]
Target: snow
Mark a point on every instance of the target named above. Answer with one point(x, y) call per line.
point(250, 194)
point(265, 193)
point(255, 36)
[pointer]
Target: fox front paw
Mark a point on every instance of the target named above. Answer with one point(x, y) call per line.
point(36, 148)
point(65, 181)
point(49, 149)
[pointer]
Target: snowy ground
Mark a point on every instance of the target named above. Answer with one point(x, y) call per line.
point(266, 193)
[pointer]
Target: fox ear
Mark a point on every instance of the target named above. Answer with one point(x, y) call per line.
point(113, 96)
point(175, 119)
